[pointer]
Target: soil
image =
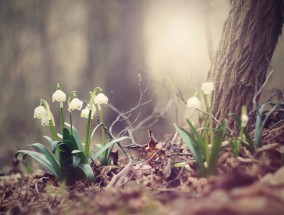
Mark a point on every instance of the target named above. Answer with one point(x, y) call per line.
point(148, 182)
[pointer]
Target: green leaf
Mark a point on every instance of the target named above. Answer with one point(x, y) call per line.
point(257, 130)
point(193, 147)
point(199, 140)
point(81, 171)
point(215, 153)
point(76, 136)
point(54, 145)
point(235, 146)
point(76, 144)
point(49, 156)
point(50, 141)
point(80, 155)
point(87, 169)
point(97, 148)
point(105, 147)
point(259, 125)
point(66, 135)
point(41, 159)
point(250, 146)
point(237, 119)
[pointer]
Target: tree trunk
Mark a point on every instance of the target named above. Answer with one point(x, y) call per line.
point(239, 68)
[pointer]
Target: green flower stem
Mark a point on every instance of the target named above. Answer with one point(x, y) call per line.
point(70, 118)
point(210, 120)
point(53, 130)
point(62, 115)
point(88, 134)
point(206, 118)
point(103, 132)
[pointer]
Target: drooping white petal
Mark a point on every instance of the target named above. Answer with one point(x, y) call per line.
point(207, 87)
point(193, 102)
point(75, 104)
point(59, 96)
point(40, 112)
point(45, 121)
point(85, 113)
point(94, 108)
point(101, 99)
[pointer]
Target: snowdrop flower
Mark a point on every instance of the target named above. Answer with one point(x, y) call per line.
point(207, 87)
point(101, 99)
point(193, 102)
point(85, 112)
point(45, 121)
point(59, 96)
point(40, 112)
point(244, 119)
point(75, 104)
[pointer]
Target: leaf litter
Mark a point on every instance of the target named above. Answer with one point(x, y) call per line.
point(149, 183)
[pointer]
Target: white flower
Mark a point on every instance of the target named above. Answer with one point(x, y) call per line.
point(45, 121)
point(75, 104)
point(59, 96)
point(40, 112)
point(244, 119)
point(100, 99)
point(94, 108)
point(193, 102)
point(85, 113)
point(207, 87)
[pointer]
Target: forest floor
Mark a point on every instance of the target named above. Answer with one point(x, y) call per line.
point(149, 183)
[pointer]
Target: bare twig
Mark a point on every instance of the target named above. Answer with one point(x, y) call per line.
point(132, 125)
point(119, 179)
point(258, 92)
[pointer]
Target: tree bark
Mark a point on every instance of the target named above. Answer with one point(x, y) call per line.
point(239, 68)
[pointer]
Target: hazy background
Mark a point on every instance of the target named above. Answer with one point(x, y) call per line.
point(106, 43)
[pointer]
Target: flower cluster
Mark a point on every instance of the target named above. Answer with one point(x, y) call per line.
point(69, 155)
point(196, 101)
point(42, 112)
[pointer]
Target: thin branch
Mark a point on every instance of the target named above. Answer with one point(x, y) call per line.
point(257, 94)
point(119, 179)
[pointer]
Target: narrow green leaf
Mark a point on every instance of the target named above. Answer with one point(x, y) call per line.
point(41, 159)
point(199, 140)
point(237, 119)
point(88, 171)
point(97, 148)
point(54, 146)
point(215, 153)
point(193, 147)
point(66, 134)
point(105, 147)
point(76, 145)
point(49, 157)
point(251, 145)
point(50, 141)
point(76, 136)
point(81, 155)
point(257, 130)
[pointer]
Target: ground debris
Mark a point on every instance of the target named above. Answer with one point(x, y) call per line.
point(154, 184)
